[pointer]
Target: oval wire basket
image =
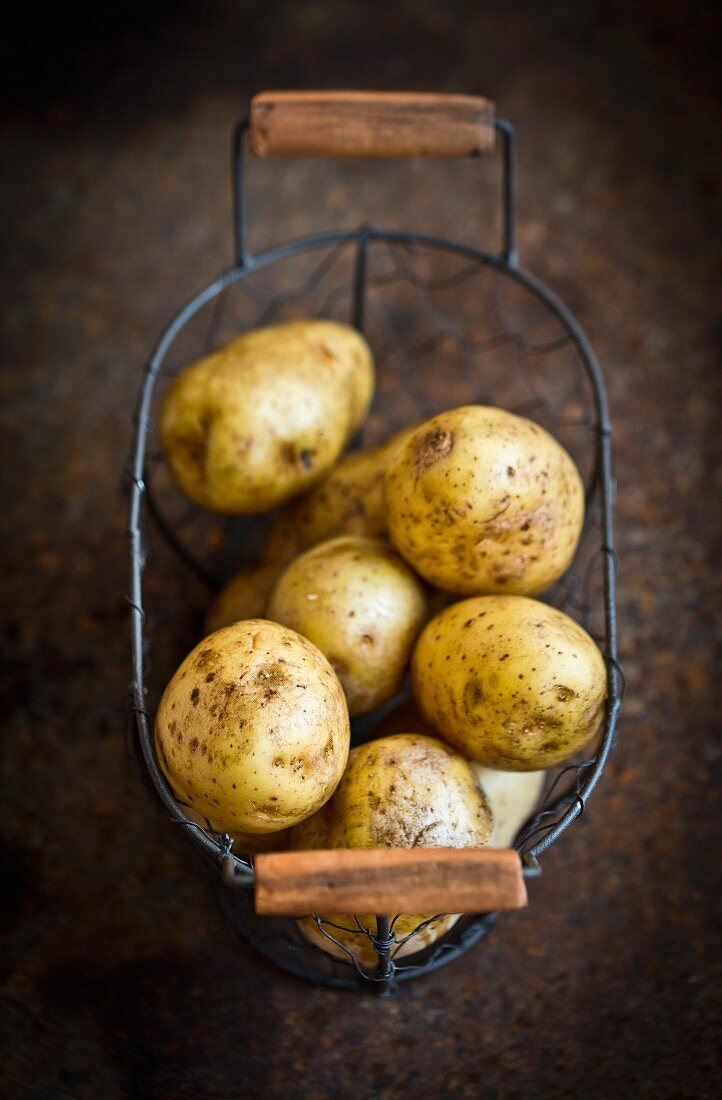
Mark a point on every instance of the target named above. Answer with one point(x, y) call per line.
point(449, 324)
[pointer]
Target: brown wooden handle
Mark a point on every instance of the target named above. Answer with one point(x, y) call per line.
point(389, 880)
point(371, 124)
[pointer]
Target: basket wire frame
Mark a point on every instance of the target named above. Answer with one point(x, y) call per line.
point(457, 335)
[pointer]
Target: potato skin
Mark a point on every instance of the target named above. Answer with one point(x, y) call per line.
point(479, 500)
point(509, 681)
point(266, 416)
point(253, 731)
point(362, 606)
point(403, 791)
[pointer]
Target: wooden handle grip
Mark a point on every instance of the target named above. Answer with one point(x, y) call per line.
point(389, 880)
point(371, 124)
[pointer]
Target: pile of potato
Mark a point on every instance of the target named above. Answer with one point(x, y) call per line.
point(360, 584)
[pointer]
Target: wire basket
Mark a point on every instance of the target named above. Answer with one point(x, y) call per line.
point(449, 324)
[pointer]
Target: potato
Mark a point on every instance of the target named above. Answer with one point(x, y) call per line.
point(266, 416)
point(253, 731)
point(405, 791)
point(362, 606)
point(510, 682)
point(512, 796)
point(481, 501)
point(347, 502)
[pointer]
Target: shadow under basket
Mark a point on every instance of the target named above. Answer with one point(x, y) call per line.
point(449, 324)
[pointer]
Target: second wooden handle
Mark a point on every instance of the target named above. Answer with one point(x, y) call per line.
point(371, 124)
point(389, 880)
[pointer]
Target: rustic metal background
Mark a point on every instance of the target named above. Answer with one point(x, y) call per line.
point(117, 978)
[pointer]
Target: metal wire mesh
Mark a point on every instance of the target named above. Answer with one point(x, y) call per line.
point(448, 326)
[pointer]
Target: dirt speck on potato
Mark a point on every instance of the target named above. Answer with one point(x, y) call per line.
point(431, 447)
point(473, 695)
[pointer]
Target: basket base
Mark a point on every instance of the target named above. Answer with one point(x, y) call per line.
point(280, 940)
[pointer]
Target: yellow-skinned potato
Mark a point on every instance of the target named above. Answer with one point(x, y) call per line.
point(348, 502)
point(362, 606)
point(253, 731)
point(509, 681)
point(481, 501)
point(266, 416)
point(404, 791)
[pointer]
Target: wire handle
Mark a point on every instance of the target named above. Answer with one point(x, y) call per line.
point(389, 880)
point(371, 124)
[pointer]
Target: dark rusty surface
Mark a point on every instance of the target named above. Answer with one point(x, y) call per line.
point(118, 979)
